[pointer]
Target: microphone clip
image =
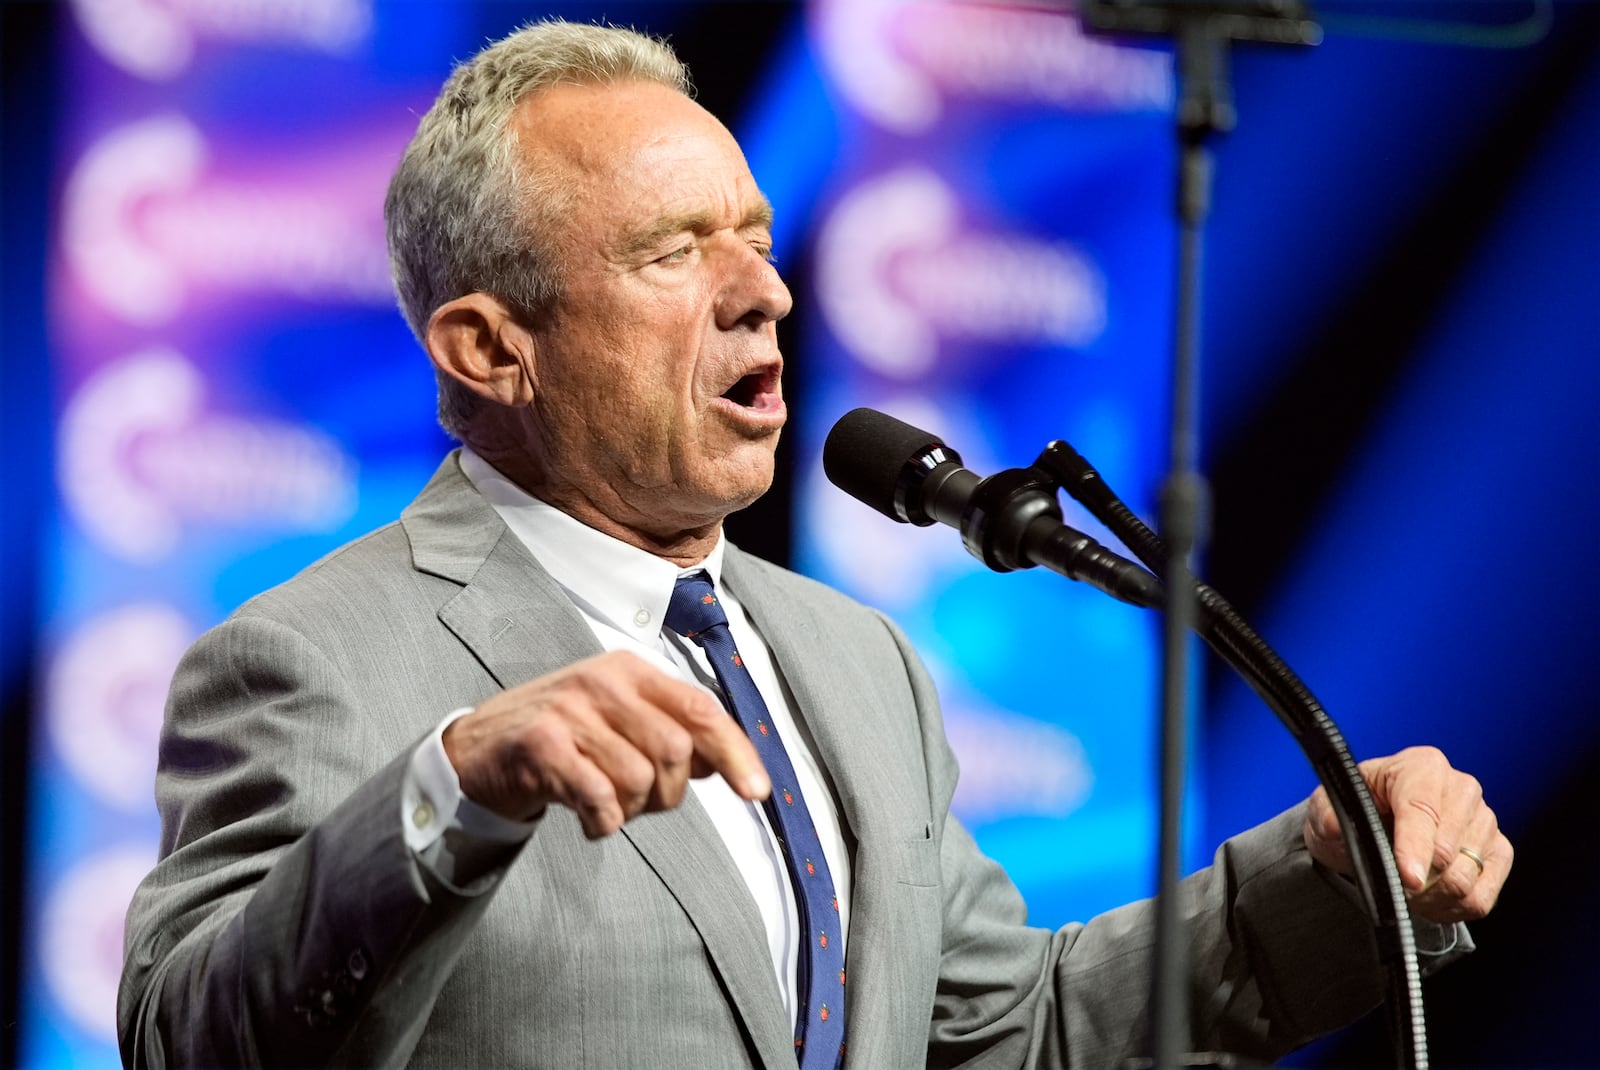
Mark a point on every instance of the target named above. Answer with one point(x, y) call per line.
point(998, 517)
point(1013, 520)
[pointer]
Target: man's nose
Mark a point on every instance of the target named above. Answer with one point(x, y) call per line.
point(753, 293)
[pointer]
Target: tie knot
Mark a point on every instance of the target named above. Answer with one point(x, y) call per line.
point(694, 606)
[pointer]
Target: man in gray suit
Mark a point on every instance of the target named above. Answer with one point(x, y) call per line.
point(455, 796)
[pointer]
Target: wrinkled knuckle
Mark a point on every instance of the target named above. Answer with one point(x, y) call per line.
point(1422, 806)
point(1457, 881)
point(1472, 786)
point(1405, 758)
point(1476, 905)
point(674, 746)
point(532, 755)
point(634, 778)
point(588, 790)
point(542, 739)
point(602, 821)
point(598, 686)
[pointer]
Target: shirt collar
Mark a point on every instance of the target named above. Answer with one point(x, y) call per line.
point(624, 586)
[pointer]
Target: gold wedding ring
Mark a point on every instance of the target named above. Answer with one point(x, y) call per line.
point(1475, 856)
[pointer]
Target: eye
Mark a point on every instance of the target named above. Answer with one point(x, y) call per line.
point(677, 256)
point(763, 248)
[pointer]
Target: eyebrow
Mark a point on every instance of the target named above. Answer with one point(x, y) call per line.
point(758, 216)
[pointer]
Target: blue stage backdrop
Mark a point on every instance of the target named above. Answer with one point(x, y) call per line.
point(973, 208)
point(234, 396)
point(978, 194)
point(990, 260)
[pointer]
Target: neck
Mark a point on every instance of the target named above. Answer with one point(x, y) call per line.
point(683, 546)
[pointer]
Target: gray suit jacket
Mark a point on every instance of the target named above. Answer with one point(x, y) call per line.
point(288, 923)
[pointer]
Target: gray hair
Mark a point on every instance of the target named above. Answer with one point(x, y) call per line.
point(463, 214)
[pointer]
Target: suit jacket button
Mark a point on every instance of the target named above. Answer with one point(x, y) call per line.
point(357, 964)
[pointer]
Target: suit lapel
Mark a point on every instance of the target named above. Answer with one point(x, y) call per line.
point(830, 704)
point(799, 641)
point(686, 853)
point(520, 624)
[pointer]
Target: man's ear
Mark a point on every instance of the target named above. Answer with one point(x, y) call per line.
point(477, 341)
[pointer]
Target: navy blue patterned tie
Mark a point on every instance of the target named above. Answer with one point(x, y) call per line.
point(694, 613)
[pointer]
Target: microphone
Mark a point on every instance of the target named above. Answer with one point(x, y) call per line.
point(1011, 520)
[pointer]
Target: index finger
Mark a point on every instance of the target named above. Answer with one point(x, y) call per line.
point(719, 743)
point(1413, 792)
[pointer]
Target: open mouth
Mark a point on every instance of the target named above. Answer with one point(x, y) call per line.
point(758, 390)
point(744, 392)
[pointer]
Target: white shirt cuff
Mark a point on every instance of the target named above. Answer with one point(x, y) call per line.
point(452, 836)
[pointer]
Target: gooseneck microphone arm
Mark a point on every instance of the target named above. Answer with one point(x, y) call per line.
point(912, 477)
point(1371, 857)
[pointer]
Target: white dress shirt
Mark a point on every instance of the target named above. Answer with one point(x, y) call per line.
point(622, 594)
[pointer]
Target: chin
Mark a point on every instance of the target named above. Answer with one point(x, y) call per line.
point(738, 498)
point(740, 484)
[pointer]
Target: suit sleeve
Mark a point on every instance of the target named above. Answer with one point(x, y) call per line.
point(1280, 951)
point(288, 922)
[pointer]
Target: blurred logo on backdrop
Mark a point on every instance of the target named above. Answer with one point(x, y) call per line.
point(81, 934)
point(140, 458)
point(145, 223)
point(979, 271)
point(106, 692)
point(221, 241)
point(900, 62)
point(156, 39)
point(218, 293)
point(898, 269)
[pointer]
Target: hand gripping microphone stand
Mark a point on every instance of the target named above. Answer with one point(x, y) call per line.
point(1202, 31)
point(1377, 877)
point(1012, 520)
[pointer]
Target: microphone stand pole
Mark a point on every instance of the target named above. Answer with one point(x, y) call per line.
point(1202, 33)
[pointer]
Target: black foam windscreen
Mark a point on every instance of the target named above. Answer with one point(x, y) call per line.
point(866, 454)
